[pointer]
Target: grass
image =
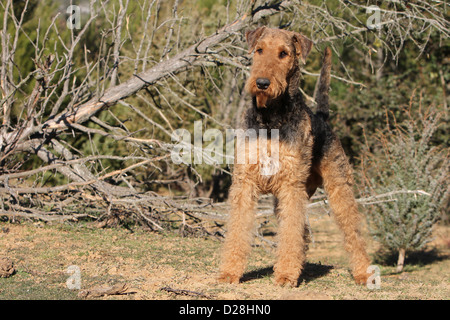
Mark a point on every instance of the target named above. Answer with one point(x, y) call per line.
point(148, 262)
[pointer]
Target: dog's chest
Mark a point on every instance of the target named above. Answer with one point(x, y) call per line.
point(271, 162)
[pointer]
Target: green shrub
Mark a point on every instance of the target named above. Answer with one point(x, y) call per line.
point(406, 163)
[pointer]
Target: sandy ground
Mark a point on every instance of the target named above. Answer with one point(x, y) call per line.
point(155, 266)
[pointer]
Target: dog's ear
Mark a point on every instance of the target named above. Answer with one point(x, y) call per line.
point(252, 38)
point(302, 45)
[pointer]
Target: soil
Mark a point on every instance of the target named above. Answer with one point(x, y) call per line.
point(165, 266)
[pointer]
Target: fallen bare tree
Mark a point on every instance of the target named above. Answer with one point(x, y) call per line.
point(71, 91)
point(58, 104)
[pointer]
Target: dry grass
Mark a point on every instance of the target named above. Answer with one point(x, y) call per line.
point(150, 262)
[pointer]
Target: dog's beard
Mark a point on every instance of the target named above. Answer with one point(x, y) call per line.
point(264, 96)
point(261, 99)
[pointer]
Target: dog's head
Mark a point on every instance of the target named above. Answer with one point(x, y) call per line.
point(276, 54)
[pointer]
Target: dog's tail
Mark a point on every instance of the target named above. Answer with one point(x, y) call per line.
point(322, 91)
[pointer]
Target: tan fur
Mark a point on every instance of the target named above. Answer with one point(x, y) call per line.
point(297, 178)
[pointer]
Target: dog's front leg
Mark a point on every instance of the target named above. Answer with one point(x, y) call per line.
point(291, 210)
point(243, 198)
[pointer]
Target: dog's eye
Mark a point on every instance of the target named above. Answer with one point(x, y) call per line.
point(259, 50)
point(283, 54)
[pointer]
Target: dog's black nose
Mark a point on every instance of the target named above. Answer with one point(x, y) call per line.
point(262, 83)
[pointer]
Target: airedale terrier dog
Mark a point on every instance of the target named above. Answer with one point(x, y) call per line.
point(310, 156)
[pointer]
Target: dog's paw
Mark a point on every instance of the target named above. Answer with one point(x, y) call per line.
point(286, 280)
point(361, 278)
point(226, 277)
